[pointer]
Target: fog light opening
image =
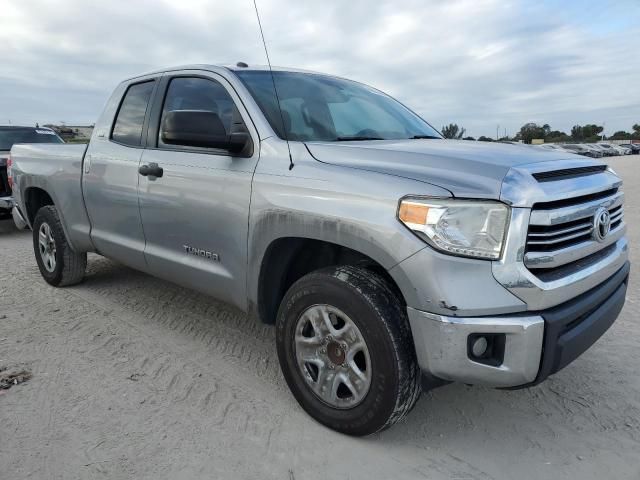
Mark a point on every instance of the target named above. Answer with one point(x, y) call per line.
point(486, 348)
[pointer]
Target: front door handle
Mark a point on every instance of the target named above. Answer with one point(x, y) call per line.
point(151, 170)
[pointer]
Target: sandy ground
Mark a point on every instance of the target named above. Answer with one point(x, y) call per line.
point(136, 378)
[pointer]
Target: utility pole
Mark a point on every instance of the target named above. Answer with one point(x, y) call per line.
point(497, 130)
point(603, 125)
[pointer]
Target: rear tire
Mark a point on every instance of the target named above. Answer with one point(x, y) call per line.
point(59, 264)
point(366, 317)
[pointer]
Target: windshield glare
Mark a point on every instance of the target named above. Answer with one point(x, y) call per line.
point(323, 108)
point(11, 136)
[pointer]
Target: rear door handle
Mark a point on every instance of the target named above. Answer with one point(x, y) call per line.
point(151, 170)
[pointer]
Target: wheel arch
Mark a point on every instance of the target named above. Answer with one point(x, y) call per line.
point(287, 259)
point(34, 199)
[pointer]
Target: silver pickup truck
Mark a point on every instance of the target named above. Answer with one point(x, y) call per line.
point(389, 259)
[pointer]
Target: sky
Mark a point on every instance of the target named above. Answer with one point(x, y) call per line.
point(477, 63)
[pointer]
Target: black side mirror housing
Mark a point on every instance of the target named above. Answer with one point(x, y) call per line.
point(238, 142)
point(201, 128)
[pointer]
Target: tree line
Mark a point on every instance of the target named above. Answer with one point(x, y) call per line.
point(589, 133)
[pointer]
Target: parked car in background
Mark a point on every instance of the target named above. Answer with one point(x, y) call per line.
point(553, 146)
point(634, 147)
point(606, 149)
point(582, 149)
point(10, 135)
point(613, 149)
point(562, 147)
point(627, 150)
point(596, 151)
point(621, 150)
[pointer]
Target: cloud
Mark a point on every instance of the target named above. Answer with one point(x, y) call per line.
point(478, 63)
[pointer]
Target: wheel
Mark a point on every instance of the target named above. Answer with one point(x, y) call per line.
point(59, 264)
point(346, 350)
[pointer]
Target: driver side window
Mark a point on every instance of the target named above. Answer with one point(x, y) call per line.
point(203, 95)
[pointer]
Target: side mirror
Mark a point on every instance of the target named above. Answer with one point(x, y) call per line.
point(200, 128)
point(238, 142)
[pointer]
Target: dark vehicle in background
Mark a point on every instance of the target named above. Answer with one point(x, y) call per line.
point(9, 136)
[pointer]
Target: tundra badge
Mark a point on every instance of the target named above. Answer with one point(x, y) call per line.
point(199, 252)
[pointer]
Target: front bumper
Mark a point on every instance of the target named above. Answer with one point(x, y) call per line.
point(533, 345)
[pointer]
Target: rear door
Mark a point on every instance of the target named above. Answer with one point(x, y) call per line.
point(110, 179)
point(195, 217)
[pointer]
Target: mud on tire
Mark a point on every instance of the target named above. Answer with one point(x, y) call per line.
point(367, 299)
point(70, 265)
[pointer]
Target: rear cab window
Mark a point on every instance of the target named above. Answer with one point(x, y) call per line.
point(129, 123)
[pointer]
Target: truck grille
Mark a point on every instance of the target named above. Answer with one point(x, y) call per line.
point(5, 191)
point(561, 234)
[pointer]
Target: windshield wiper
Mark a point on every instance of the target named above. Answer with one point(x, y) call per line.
point(349, 139)
point(418, 137)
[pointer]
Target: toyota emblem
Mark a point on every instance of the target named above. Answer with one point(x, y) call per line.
point(601, 224)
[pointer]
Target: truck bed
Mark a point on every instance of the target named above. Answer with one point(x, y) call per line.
point(56, 169)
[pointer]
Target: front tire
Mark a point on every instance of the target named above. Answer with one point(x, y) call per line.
point(346, 350)
point(59, 264)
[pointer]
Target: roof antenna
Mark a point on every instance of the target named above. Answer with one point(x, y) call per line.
point(273, 80)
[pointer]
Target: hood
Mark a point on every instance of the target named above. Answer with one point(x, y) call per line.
point(464, 167)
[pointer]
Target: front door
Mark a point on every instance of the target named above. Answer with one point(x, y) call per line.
point(195, 216)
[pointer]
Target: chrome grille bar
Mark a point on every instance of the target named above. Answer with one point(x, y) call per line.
point(563, 238)
point(562, 231)
point(574, 212)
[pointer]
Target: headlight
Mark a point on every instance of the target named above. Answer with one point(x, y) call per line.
point(468, 228)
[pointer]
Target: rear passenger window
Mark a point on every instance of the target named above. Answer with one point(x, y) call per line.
point(130, 119)
point(194, 93)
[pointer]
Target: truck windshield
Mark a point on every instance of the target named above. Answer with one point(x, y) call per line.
point(11, 135)
point(324, 108)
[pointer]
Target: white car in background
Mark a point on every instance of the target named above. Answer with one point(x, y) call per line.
point(614, 149)
point(606, 149)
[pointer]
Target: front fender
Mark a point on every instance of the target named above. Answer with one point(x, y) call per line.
point(340, 205)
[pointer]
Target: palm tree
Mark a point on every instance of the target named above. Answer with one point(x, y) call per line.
point(453, 131)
